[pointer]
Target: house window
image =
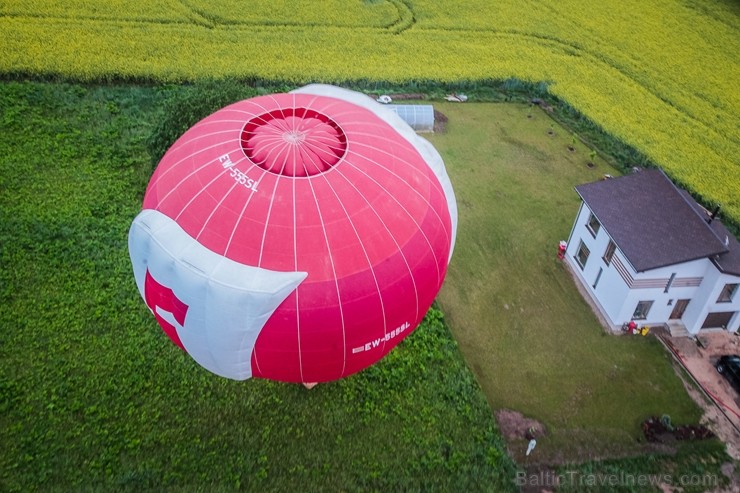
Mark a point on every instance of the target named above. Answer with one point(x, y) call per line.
point(593, 225)
point(582, 255)
point(728, 292)
point(641, 312)
point(609, 253)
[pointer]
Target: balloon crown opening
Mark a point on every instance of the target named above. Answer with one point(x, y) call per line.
point(295, 142)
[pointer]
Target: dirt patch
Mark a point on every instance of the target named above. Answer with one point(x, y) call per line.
point(722, 407)
point(408, 96)
point(440, 122)
point(661, 430)
point(542, 104)
point(518, 430)
point(515, 426)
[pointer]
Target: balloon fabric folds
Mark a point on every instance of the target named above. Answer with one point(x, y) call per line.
point(297, 237)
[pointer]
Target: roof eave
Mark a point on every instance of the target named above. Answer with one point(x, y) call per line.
point(709, 256)
point(724, 270)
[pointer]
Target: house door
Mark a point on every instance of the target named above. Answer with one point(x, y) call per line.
point(717, 320)
point(678, 310)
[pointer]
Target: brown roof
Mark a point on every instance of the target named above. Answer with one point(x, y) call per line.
point(652, 222)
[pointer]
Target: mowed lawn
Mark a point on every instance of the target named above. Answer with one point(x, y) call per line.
point(533, 343)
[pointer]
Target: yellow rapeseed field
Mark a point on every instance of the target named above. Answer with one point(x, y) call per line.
point(661, 75)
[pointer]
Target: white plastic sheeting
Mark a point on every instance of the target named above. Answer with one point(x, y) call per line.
point(420, 117)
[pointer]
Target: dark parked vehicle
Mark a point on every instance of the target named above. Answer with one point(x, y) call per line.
point(729, 366)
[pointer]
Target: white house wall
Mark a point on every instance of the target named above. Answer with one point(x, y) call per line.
point(707, 295)
point(651, 286)
point(620, 288)
point(697, 310)
point(733, 306)
point(610, 289)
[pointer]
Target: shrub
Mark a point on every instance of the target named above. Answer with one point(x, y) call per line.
point(189, 104)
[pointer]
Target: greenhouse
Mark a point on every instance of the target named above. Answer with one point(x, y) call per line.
point(419, 116)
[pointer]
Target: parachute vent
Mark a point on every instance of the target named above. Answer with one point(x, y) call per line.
point(294, 142)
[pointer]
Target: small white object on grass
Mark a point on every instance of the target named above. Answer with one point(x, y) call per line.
point(531, 446)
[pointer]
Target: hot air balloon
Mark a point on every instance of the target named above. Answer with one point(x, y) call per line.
point(297, 237)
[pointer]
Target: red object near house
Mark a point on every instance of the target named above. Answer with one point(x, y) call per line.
point(561, 249)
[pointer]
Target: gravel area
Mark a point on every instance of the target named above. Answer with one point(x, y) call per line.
point(698, 356)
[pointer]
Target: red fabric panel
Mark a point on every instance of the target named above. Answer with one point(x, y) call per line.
point(156, 296)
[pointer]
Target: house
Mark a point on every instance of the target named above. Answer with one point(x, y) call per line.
point(646, 251)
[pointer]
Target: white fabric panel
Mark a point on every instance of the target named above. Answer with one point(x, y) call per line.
point(422, 145)
point(228, 303)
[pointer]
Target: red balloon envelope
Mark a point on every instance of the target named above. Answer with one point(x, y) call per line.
point(297, 237)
